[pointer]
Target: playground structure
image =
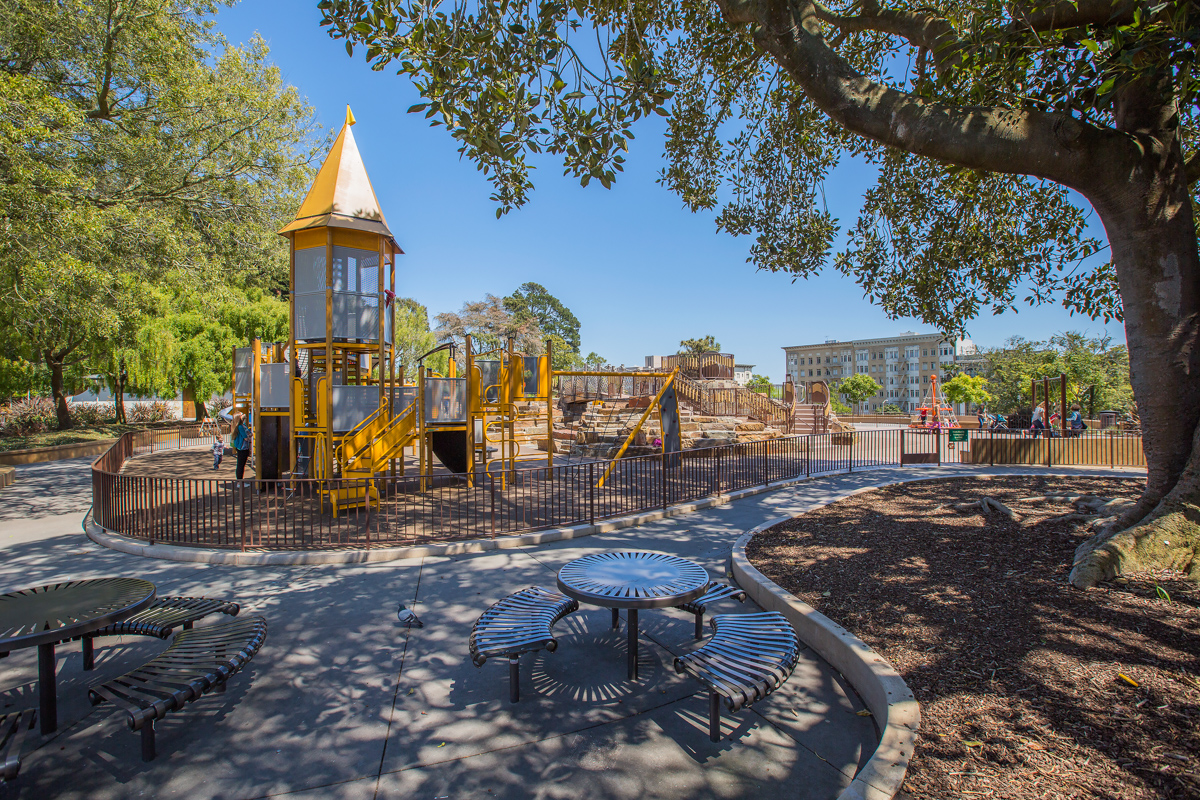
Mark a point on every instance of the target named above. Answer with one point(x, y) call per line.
point(934, 413)
point(331, 405)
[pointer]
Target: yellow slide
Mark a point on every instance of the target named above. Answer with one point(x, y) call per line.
point(366, 451)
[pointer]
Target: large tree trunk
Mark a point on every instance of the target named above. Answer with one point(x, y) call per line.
point(201, 411)
point(55, 365)
point(1148, 218)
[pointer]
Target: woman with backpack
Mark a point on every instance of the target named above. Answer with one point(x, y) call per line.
point(243, 439)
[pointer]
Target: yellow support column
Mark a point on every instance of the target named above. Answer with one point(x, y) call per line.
point(329, 365)
point(293, 356)
point(471, 403)
point(549, 408)
point(256, 418)
point(422, 428)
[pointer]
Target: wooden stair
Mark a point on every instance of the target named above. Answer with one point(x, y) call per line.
point(809, 418)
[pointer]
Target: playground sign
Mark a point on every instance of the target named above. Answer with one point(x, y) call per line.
point(958, 434)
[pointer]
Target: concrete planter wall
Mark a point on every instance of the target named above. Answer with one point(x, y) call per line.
point(881, 687)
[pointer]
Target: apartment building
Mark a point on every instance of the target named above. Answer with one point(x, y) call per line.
point(902, 364)
point(742, 373)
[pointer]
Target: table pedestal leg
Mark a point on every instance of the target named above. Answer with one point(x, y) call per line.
point(616, 619)
point(47, 689)
point(631, 621)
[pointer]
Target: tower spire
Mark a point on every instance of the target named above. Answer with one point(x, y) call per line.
point(341, 195)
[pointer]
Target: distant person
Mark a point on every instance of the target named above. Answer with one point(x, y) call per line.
point(243, 438)
point(1075, 420)
point(982, 418)
point(1039, 420)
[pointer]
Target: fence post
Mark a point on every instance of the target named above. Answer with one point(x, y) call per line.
point(1049, 458)
point(850, 467)
point(592, 492)
point(808, 456)
point(662, 462)
point(492, 484)
point(992, 447)
point(720, 452)
point(902, 445)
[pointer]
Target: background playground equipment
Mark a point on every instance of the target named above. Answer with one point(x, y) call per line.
point(934, 413)
point(1083, 396)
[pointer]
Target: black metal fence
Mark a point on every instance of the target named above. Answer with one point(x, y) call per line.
point(414, 509)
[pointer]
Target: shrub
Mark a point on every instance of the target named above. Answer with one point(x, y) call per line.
point(156, 411)
point(91, 414)
point(217, 405)
point(30, 415)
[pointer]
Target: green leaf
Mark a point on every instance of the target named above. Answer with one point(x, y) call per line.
point(417, 108)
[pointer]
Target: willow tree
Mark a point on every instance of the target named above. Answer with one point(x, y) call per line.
point(979, 117)
point(139, 151)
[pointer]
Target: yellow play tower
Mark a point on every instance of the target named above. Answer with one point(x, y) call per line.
point(331, 404)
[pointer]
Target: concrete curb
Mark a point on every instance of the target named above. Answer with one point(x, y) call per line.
point(203, 555)
point(7, 476)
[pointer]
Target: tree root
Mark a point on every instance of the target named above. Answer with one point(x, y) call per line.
point(986, 505)
point(1168, 540)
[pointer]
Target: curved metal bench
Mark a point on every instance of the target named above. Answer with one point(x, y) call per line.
point(520, 623)
point(13, 727)
point(197, 662)
point(160, 619)
point(714, 592)
point(748, 657)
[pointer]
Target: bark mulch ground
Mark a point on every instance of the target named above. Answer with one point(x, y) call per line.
point(1019, 675)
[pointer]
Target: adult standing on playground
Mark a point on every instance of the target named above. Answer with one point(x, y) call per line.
point(243, 439)
point(1039, 420)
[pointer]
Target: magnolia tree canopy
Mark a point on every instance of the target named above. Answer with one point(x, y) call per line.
point(979, 117)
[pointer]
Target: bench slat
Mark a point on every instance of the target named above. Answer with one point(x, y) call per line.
point(520, 623)
point(748, 657)
point(13, 727)
point(197, 662)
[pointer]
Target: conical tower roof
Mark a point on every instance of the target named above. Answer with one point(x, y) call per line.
point(342, 196)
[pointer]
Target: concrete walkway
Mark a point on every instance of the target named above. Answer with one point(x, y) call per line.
point(343, 702)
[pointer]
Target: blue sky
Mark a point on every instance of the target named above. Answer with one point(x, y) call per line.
point(639, 270)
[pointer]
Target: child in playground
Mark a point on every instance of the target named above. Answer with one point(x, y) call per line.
point(1076, 420)
point(218, 450)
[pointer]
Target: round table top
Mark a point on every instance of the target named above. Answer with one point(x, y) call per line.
point(633, 580)
point(62, 611)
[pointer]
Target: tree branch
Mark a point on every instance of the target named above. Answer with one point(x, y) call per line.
point(920, 30)
point(1014, 141)
point(1072, 14)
